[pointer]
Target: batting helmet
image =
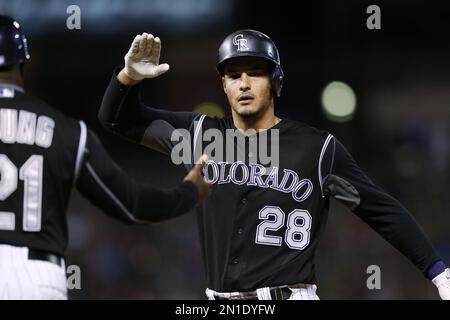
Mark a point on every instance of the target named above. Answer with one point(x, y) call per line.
point(13, 44)
point(251, 43)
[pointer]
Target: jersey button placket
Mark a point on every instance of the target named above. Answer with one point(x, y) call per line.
point(235, 262)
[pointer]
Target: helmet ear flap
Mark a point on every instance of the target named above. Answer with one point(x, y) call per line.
point(277, 80)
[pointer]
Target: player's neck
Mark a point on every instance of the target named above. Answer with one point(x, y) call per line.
point(260, 122)
point(11, 78)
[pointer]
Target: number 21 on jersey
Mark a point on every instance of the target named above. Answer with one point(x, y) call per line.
point(298, 229)
point(31, 174)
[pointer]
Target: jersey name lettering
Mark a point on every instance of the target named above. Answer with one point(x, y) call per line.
point(26, 128)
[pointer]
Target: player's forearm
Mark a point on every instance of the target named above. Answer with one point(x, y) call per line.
point(123, 199)
point(108, 187)
point(397, 226)
point(348, 184)
point(122, 112)
point(118, 104)
point(155, 205)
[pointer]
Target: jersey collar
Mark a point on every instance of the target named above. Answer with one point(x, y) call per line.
point(12, 86)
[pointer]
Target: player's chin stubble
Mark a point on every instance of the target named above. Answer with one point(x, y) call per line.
point(251, 115)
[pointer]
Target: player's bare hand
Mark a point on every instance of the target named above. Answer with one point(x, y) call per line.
point(196, 177)
point(142, 60)
point(442, 282)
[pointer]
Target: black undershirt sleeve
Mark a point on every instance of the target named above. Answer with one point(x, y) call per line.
point(108, 187)
point(123, 112)
point(346, 182)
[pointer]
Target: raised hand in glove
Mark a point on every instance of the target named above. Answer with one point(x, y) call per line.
point(142, 60)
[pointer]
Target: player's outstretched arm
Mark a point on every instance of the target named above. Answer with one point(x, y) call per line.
point(107, 186)
point(122, 111)
point(346, 182)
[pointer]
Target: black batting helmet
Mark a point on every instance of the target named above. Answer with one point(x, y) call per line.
point(251, 43)
point(13, 44)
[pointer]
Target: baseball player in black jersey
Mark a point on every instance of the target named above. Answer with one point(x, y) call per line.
point(261, 223)
point(43, 154)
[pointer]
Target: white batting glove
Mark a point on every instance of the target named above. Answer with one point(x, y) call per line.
point(142, 60)
point(442, 282)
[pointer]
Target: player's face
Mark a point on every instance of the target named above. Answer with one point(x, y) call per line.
point(246, 83)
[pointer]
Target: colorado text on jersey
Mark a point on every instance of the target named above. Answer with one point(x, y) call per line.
point(253, 174)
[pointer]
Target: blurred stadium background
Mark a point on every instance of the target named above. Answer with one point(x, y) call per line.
point(399, 131)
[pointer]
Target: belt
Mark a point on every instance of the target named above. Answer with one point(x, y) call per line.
point(282, 293)
point(34, 254)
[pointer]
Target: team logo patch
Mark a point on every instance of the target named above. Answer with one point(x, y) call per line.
point(240, 42)
point(6, 92)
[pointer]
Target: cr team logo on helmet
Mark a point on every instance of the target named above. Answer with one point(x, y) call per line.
point(252, 43)
point(240, 42)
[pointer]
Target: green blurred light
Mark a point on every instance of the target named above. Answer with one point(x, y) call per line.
point(338, 101)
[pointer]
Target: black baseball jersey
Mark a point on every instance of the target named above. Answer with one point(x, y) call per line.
point(43, 154)
point(261, 223)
